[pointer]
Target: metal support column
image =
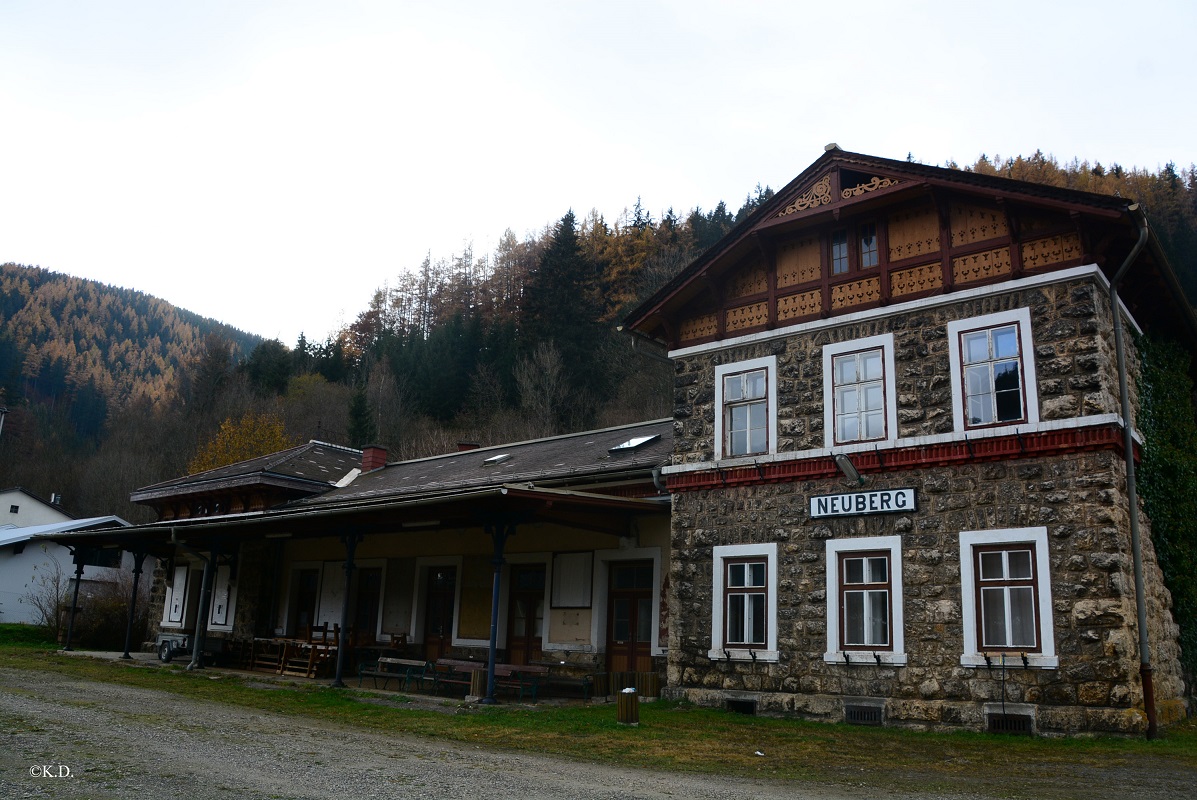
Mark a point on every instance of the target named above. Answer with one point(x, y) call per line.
point(499, 534)
point(350, 540)
point(202, 613)
point(74, 598)
point(138, 560)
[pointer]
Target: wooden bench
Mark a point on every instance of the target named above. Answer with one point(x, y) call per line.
point(519, 679)
point(454, 672)
point(389, 669)
point(582, 683)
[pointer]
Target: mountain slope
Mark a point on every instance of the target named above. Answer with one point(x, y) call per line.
point(66, 338)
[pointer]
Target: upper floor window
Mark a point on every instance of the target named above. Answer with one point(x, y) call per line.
point(855, 248)
point(839, 252)
point(859, 396)
point(869, 256)
point(993, 370)
point(859, 393)
point(992, 375)
point(746, 408)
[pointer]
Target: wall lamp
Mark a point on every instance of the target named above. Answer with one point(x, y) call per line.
point(849, 469)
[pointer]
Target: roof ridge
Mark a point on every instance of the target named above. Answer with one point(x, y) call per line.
point(557, 437)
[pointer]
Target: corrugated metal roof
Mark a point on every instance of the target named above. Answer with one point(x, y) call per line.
point(14, 535)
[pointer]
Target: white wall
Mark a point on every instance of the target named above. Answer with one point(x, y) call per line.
point(19, 573)
point(30, 510)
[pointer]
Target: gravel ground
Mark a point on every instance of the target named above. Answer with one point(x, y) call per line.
point(124, 742)
point(120, 742)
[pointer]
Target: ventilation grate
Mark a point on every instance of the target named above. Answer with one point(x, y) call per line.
point(1010, 723)
point(742, 707)
point(862, 715)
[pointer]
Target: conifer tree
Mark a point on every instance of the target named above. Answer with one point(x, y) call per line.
point(561, 305)
point(362, 430)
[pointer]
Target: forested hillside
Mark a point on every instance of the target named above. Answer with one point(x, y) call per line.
point(482, 347)
point(71, 341)
point(75, 355)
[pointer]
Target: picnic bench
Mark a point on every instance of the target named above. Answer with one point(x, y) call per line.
point(388, 669)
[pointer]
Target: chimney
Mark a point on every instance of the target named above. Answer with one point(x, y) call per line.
point(373, 457)
point(464, 446)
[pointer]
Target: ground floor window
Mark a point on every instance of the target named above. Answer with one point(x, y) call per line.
point(744, 602)
point(746, 590)
point(864, 600)
point(1006, 598)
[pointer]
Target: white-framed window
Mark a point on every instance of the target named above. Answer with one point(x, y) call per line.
point(993, 370)
point(1006, 598)
point(859, 391)
point(746, 408)
point(864, 600)
point(744, 602)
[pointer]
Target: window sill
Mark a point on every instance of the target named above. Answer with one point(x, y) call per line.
point(732, 654)
point(1012, 661)
point(865, 657)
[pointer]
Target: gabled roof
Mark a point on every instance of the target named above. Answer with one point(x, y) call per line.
point(311, 467)
point(591, 457)
point(812, 200)
point(30, 494)
point(53, 529)
point(583, 480)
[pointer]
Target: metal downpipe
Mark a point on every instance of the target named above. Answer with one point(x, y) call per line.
point(1128, 446)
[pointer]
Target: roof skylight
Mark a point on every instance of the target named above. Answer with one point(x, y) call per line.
point(633, 444)
point(499, 459)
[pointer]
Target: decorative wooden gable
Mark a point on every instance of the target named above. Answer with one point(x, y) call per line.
point(855, 232)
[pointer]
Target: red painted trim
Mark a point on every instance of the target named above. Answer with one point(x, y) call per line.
point(1030, 445)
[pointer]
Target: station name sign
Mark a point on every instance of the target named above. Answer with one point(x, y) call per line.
point(882, 501)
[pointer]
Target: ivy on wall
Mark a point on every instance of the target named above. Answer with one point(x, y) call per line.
point(1167, 478)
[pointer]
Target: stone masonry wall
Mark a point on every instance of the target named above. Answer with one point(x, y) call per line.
point(1079, 497)
point(1079, 500)
point(1074, 359)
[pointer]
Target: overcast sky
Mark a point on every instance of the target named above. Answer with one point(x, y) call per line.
point(270, 164)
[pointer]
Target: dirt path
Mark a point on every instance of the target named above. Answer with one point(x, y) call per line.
point(120, 742)
point(123, 742)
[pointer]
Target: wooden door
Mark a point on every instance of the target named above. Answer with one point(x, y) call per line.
point(365, 609)
point(307, 592)
point(439, 597)
point(629, 617)
point(525, 614)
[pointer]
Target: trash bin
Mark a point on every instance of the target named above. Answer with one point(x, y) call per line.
point(628, 707)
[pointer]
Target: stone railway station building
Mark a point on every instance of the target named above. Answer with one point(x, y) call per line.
point(885, 332)
point(894, 490)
